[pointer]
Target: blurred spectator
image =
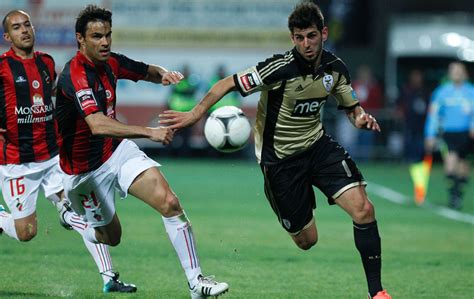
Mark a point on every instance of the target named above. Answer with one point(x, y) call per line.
point(412, 107)
point(451, 115)
point(183, 98)
point(360, 143)
point(231, 99)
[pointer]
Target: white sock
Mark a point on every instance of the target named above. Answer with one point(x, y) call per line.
point(7, 224)
point(99, 252)
point(181, 236)
point(101, 255)
point(80, 226)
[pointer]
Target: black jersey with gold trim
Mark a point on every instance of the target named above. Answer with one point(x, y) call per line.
point(292, 95)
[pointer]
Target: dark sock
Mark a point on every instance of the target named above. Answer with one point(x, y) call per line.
point(453, 183)
point(461, 182)
point(367, 241)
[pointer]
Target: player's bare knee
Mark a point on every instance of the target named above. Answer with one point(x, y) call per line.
point(171, 206)
point(109, 240)
point(306, 244)
point(364, 212)
point(26, 233)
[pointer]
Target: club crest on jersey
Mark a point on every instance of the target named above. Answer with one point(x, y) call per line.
point(108, 94)
point(86, 98)
point(328, 82)
point(286, 223)
point(37, 100)
point(35, 84)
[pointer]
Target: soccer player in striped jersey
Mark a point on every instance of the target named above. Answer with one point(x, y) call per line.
point(29, 160)
point(293, 150)
point(98, 158)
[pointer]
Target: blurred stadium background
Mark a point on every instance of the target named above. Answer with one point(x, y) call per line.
point(429, 251)
point(389, 37)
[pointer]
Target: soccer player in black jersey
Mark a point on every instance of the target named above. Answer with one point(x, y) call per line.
point(293, 150)
point(29, 144)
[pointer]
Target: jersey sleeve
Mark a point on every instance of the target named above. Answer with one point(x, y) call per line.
point(266, 75)
point(126, 68)
point(343, 92)
point(75, 87)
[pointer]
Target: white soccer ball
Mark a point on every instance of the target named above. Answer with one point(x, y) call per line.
point(227, 129)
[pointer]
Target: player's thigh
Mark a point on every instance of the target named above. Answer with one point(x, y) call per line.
point(290, 194)
point(332, 169)
point(20, 192)
point(152, 188)
point(140, 176)
point(357, 204)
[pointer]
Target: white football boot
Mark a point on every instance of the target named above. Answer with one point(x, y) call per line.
point(208, 287)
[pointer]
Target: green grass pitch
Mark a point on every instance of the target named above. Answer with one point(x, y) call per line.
point(240, 241)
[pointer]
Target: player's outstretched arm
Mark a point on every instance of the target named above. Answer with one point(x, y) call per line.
point(158, 74)
point(102, 125)
point(362, 120)
point(178, 120)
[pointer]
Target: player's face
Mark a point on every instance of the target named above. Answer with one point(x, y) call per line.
point(457, 72)
point(97, 43)
point(20, 32)
point(309, 41)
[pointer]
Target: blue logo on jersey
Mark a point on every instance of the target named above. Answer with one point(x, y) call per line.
point(354, 96)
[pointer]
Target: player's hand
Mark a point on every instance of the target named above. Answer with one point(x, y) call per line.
point(367, 121)
point(172, 77)
point(178, 120)
point(162, 134)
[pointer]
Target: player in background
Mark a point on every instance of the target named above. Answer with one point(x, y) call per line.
point(29, 145)
point(292, 147)
point(96, 158)
point(451, 115)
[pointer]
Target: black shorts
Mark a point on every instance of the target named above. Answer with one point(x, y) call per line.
point(458, 142)
point(289, 183)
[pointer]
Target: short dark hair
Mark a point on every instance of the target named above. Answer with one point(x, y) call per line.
point(92, 13)
point(11, 12)
point(306, 14)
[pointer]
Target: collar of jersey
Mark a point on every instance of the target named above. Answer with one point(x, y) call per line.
point(83, 59)
point(12, 54)
point(307, 69)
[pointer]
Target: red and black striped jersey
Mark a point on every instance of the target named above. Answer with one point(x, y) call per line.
point(85, 88)
point(26, 108)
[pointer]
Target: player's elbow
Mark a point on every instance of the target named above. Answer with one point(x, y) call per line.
point(96, 130)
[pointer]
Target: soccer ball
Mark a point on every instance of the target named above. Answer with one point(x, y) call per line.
point(227, 129)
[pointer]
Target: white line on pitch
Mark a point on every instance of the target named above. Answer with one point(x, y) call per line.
point(402, 199)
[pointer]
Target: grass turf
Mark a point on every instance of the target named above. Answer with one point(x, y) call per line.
point(241, 242)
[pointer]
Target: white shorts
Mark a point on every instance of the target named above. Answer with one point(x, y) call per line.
point(21, 184)
point(92, 194)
